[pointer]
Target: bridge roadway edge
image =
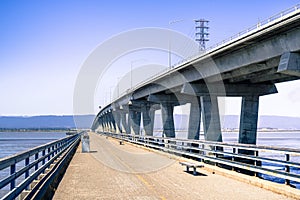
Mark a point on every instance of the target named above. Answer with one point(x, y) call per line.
point(255, 182)
point(258, 182)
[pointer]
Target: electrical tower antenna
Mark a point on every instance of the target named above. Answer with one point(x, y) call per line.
point(201, 32)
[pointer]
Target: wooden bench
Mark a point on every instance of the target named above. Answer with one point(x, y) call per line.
point(193, 165)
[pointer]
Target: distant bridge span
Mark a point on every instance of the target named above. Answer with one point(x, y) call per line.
point(247, 66)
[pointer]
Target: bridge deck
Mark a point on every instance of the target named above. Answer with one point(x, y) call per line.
point(114, 171)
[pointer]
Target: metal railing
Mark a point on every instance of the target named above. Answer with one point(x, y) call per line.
point(20, 170)
point(263, 161)
point(260, 25)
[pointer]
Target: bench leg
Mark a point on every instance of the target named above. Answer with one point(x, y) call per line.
point(187, 168)
point(194, 172)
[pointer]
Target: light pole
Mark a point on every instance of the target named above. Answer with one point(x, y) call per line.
point(110, 92)
point(134, 61)
point(118, 84)
point(170, 55)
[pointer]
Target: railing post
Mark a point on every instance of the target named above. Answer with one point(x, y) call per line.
point(287, 168)
point(36, 157)
point(48, 153)
point(56, 146)
point(43, 154)
point(255, 162)
point(26, 164)
point(52, 154)
point(233, 157)
point(215, 150)
point(12, 171)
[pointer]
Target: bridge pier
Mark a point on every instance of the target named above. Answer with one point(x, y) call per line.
point(124, 122)
point(211, 118)
point(117, 118)
point(134, 120)
point(106, 123)
point(194, 119)
point(168, 119)
point(248, 120)
point(148, 118)
point(112, 122)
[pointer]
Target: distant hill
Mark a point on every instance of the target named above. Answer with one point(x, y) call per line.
point(181, 122)
point(275, 122)
point(51, 121)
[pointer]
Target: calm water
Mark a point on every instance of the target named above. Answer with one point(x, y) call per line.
point(15, 142)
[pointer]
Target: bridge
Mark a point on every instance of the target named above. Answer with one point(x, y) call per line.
point(248, 66)
point(123, 163)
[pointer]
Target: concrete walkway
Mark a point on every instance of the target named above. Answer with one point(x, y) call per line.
point(114, 171)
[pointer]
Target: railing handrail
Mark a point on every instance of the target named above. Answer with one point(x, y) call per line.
point(260, 25)
point(214, 152)
point(6, 161)
point(224, 144)
point(38, 158)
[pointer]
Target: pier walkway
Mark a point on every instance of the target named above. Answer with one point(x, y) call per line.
point(114, 171)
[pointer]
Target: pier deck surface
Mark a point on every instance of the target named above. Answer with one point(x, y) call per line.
point(114, 171)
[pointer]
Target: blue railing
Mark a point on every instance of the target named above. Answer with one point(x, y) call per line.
point(20, 170)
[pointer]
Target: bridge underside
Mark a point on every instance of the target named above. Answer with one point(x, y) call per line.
point(248, 67)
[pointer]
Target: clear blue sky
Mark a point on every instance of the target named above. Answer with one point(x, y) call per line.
point(44, 43)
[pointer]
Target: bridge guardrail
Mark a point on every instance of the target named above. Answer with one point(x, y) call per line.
point(31, 164)
point(258, 160)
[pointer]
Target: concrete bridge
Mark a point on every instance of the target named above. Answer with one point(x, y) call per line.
point(247, 66)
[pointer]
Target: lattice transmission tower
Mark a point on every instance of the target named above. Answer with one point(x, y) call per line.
point(201, 32)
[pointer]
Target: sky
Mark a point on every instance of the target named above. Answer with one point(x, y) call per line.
point(44, 44)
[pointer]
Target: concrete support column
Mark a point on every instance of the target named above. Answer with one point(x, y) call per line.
point(135, 121)
point(117, 117)
point(124, 123)
point(211, 118)
point(168, 120)
point(194, 120)
point(101, 124)
point(106, 124)
point(148, 119)
point(112, 122)
point(248, 121)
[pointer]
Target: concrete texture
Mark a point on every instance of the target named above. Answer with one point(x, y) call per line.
point(168, 119)
point(135, 120)
point(194, 120)
point(211, 118)
point(113, 171)
point(148, 118)
point(248, 121)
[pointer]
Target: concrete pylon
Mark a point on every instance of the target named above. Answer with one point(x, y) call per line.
point(194, 119)
point(124, 122)
point(211, 118)
point(168, 119)
point(135, 120)
point(106, 124)
point(248, 120)
point(148, 118)
point(117, 117)
point(112, 122)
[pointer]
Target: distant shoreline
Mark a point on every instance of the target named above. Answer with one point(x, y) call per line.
point(36, 129)
point(73, 129)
